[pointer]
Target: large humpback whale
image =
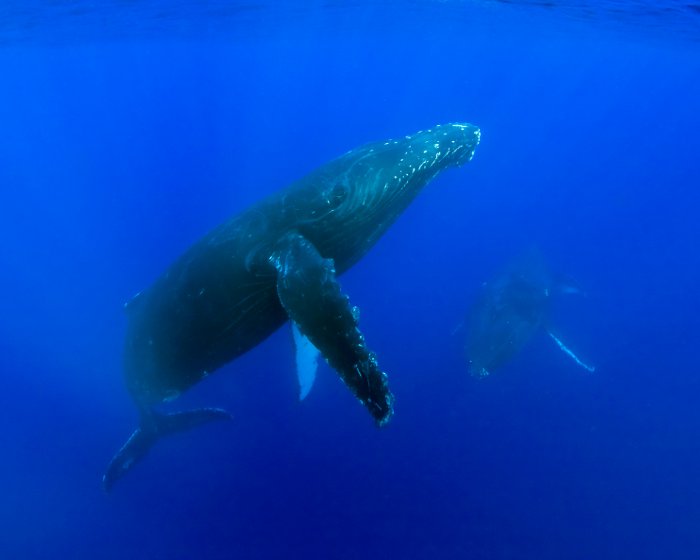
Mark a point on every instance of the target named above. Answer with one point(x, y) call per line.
point(275, 262)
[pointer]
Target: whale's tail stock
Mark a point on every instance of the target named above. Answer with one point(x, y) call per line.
point(155, 425)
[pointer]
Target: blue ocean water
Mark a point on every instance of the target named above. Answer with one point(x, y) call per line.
point(132, 128)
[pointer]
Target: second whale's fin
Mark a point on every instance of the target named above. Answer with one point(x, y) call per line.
point(154, 426)
point(307, 361)
point(311, 296)
point(570, 352)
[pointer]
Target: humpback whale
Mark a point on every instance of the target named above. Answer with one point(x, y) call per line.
point(278, 261)
point(510, 310)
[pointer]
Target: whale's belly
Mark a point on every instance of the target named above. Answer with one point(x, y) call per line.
point(205, 311)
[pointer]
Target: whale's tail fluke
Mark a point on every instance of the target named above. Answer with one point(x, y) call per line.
point(153, 426)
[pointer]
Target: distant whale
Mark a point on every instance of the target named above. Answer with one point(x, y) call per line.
point(510, 310)
point(277, 261)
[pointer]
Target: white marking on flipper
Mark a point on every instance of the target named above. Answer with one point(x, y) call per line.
point(570, 353)
point(307, 361)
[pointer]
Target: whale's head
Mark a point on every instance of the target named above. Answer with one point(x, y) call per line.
point(404, 166)
point(398, 169)
point(443, 146)
point(369, 187)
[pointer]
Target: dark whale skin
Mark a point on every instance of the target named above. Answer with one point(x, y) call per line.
point(220, 298)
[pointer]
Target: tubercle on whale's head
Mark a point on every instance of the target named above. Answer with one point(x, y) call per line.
point(446, 145)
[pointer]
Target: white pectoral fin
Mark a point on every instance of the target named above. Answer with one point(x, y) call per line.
point(307, 361)
point(570, 352)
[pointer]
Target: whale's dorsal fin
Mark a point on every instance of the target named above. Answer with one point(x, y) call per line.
point(307, 361)
point(132, 303)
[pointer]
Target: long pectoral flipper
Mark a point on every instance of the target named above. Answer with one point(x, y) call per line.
point(309, 292)
point(570, 352)
point(307, 361)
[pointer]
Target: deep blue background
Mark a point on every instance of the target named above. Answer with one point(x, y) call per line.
point(116, 154)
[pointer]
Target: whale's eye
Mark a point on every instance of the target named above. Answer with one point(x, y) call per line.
point(336, 195)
